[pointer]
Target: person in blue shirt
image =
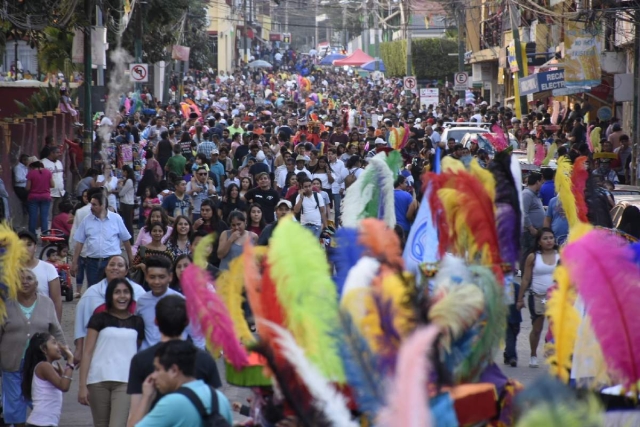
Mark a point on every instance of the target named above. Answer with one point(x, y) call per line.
point(405, 204)
point(216, 169)
point(548, 189)
point(556, 219)
point(174, 370)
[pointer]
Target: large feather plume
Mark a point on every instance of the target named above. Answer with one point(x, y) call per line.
point(586, 413)
point(307, 294)
point(452, 269)
point(208, 312)
point(516, 173)
point(611, 297)
point(588, 366)
point(381, 242)
point(551, 153)
point(470, 214)
point(229, 286)
point(371, 195)
point(324, 396)
point(201, 252)
point(492, 324)
point(407, 398)
point(485, 177)
point(13, 254)
point(345, 255)
point(579, 177)
point(360, 367)
point(564, 322)
point(564, 186)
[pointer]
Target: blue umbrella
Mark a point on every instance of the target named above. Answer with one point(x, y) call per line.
point(328, 60)
point(371, 66)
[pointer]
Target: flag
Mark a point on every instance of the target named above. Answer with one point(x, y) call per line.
point(422, 244)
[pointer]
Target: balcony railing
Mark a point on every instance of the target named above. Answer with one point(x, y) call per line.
point(491, 31)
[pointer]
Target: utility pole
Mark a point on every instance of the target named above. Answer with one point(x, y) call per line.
point(407, 18)
point(344, 27)
point(518, 50)
point(377, 35)
point(636, 119)
point(316, 41)
point(461, 44)
point(87, 146)
point(246, 32)
point(137, 44)
point(101, 68)
point(286, 16)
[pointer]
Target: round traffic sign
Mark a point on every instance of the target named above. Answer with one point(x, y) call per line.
point(461, 78)
point(410, 83)
point(139, 73)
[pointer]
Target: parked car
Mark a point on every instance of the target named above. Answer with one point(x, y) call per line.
point(621, 203)
point(625, 190)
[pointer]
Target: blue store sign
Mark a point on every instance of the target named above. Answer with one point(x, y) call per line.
point(541, 82)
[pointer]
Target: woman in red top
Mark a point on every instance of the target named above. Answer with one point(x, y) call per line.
point(61, 221)
point(39, 185)
point(256, 221)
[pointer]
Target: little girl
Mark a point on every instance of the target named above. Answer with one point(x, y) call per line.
point(42, 382)
point(151, 200)
point(201, 160)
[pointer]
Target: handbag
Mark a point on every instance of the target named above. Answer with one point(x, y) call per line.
point(136, 274)
point(539, 301)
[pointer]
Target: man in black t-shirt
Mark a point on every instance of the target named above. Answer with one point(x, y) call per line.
point(265, 196)
point(171, 318)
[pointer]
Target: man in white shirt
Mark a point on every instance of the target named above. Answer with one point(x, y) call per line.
point(20, 172)
point(308, 205)
point(435, 136)
point(477, 117)
point(339, 172)
point(78, 217)
point(57, 171)
point(301, 162)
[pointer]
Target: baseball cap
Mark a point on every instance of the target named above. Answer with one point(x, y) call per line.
point(26, 234)
point(283, 202)
point(418, 120)
point(215, 151)
point(380, 141)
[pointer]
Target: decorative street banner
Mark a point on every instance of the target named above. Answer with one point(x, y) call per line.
point(180, 53)
point(582, 56)
point(541, 82)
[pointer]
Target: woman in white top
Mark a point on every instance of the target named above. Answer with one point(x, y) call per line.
point(110, 182)
point(46, 274)
point(537, 277)
point(113, 338)
point(126, 190)
point(117, 268)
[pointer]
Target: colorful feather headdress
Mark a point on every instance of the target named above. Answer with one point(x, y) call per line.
point(13, 254)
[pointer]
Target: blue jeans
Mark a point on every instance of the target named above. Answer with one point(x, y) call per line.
point(40, 207)
point(13, 403)
point(95, 270)
point(81, 272)
point(337, 199)
point(315, 229)
point(510, 351)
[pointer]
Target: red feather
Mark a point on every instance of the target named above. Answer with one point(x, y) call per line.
point(437, 210)
point(382, 242)
point(610, 288)
point(579, 177)
point(208, 312)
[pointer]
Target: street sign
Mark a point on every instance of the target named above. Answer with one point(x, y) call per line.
point(286, 37)
point(429, 96)
point(410, 83)
point(461, 81)
point(139, 73)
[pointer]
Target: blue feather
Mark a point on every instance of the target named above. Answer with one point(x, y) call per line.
point(636, 250)
point(461, 348)
point(508, 236)
point(360, 368)
point(443, 412)
point(437, 166)
point(345, 255)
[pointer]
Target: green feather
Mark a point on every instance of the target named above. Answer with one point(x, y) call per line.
point(394, 161)
point(492, 324)
point(308, 295)
point(586, 413)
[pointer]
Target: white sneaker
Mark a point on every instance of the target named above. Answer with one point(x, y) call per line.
point(533, 362)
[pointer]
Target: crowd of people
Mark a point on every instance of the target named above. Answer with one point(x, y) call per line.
point(232, 160)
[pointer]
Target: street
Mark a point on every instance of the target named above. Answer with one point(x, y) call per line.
point(76, 415)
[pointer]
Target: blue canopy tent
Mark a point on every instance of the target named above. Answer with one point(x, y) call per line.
point(371, 66)
point(328, 60)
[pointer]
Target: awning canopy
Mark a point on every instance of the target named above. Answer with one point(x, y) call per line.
point(355, 59)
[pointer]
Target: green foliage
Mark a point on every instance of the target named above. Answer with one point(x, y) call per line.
point(45, 99)
point(431, 58)
point(54, 51)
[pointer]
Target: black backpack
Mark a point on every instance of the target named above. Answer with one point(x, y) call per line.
point(293, 203)
point(214, 419)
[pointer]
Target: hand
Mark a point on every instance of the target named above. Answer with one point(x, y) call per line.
point(520, 304)
point(83, 395)
point(533, 230)
point(236, 406)
point(66, 353)
point(199, 222)
point(77, 356)
point(73, 270)
point(149, 387)
point(235, 236)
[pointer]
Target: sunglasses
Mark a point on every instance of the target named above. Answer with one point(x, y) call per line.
point(204, 173)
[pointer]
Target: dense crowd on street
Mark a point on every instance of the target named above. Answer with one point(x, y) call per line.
point(231, 158)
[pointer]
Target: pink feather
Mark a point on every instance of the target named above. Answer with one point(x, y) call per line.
point(539, 155)
point(500, 142)
point(407, 399)
point(405, 137)
point(610, 288)
point(208, 312)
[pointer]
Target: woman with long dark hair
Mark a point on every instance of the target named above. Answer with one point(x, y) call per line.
point(157, 214)
point(232, 241)
point(179, 242)
point(231, 201)
point(323, 172)
point(39, 185)
point(255, 222)
point(148, 180)
point(126, 190)
point(630, 221)
point(182, 262)
point(113, 337)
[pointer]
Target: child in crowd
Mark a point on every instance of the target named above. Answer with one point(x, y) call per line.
point(43, 383)
point(232, 178)
point(151, 200)
point(201, 160)
point(61, 221)
point(514, 318)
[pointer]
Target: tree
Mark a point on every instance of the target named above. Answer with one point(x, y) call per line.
point(54, 51)
point(431, 58)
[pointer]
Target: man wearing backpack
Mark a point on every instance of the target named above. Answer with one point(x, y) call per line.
point(310, 208)
point(187, 402)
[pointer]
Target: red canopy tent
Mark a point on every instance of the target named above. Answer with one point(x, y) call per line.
point(356, 58)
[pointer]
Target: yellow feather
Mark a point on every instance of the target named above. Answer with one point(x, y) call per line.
point(449, 164)
point(396, 290)
point(229, 286)
point(484, 176)
point(563, 187)
point(565, 320)
point(579, 230)
point(14, 255)
point(454, 309)
point(202, 251)
point(465, 244)
point(551, 153)
point(370, 324)
point(354, 302)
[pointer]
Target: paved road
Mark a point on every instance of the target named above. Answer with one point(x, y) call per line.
point(76, 415)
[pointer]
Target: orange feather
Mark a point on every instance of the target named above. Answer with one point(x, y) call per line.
point(382, 242)
point(579, 177)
